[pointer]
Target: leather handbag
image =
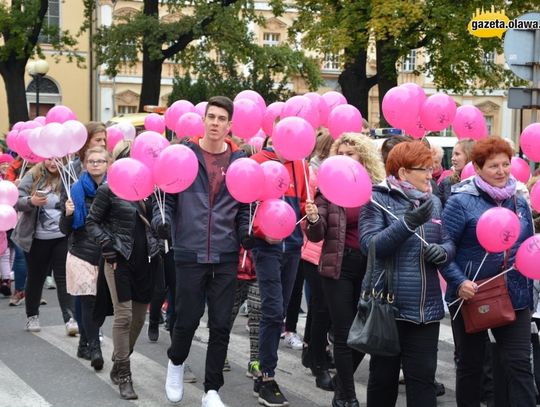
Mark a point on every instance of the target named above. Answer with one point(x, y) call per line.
point(491, 306)
point(374, 328)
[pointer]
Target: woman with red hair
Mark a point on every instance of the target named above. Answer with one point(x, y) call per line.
point(492, 187)
point(403, 223)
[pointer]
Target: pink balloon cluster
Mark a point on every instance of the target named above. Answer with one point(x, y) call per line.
point(498, 229)
point(9, 194)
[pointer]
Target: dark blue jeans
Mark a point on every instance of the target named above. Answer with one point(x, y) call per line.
point(419, 361)
point(514, 349)
point(276, 273)
point(19, 269)
point(196, 284)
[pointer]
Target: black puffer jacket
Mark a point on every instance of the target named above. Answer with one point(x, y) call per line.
point(80, 244)
point(112, 219)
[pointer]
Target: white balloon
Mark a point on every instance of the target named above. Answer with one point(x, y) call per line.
point(128, 129)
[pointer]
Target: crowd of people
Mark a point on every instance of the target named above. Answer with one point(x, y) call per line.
point(200, 251)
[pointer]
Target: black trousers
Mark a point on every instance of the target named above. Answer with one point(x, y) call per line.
point(318, 316)
point(195, 284)
point(342, 297)
point(418, 359)
point(514, 349)
point(295, 302)
point(164, 281)
point(44, 255)
point(90, 326)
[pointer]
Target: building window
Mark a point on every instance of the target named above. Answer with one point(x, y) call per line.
point(271, 39)
point(488, 58)
point(489, 124)
point(331, 62)
point(51, 19)
point(127, 109)
point(409, 62)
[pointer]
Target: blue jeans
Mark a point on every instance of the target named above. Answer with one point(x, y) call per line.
point(276, 273)
point(19, 269)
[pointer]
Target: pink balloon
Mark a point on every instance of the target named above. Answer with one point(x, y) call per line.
point(247, 118)
point(256, 142)
point(469, 123)
point(293, 138)
point(200, 108)
point(190, 124)
point(344, 181)
point(155, 122)
point(276, 218)
point(444, 174)
point(273, 112)
point(147, 146)
point(417, 92)
point(528, 257)
point(60, 114)
point(467, 171)
point(176, 110)
point(320, 104)
point(114, 136)
point(399, 107)
point(498, 229)
point(301, 106)
point(415, 129)
point(9, 194)
point(254, 97)
point(30, 124)
point(276, 180)
point(41, 120)
point(530, 141)
point(535, 196)
point(438, 112)
point(130, 179)
point(17, 126)
point(520, 169)
point(54, 139)
point(8, 217)
point(343, 119)
point(24, 150)
point(244, 179)
point(176, 168)
point(127, 128)
point(334, 99)
point(10, 139)
point(77, 135)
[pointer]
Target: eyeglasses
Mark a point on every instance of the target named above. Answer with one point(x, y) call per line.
point(428, 170)
point(96, 162)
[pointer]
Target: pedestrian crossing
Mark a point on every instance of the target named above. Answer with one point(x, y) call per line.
point(38, 384)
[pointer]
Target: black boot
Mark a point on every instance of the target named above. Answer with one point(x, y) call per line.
point(114, 374)
point(306, 357)
point(153, 332)
point(345, 403)
point(95, 355)
point(83, 351)
point(125, 384)
point(323, 380)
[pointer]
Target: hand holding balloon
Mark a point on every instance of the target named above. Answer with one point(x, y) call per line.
point(312, 212)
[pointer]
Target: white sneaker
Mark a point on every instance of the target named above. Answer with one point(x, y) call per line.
point(293, 341)
point(212, 399)
point(32, 324)
point(72, 328)
point(174, 385)
point(50, 283)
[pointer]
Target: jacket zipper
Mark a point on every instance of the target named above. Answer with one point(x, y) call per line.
point(423, 275)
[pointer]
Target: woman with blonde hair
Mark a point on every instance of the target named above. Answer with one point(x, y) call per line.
point(461, 155)
point(342, 265)
point(45, 246)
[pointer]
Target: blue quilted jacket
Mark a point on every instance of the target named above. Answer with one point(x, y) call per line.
point(416, 283)
point(460, 216)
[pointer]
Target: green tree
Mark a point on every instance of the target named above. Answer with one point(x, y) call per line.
point(394, 28)
point(21, 23)
point(209, 28)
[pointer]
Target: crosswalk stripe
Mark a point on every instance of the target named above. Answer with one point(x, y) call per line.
point(15, 392)
point(148, 375)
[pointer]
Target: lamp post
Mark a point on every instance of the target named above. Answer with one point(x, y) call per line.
point(37, 70)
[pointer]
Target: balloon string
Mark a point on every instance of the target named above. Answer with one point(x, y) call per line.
point(63, 176)
point(474, 278)
point(23, 169)
point(251, 220)
point(161, 206)
point(308, 192)
point(391, 214)
point(303, 217)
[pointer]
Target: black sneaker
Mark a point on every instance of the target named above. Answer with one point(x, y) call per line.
point(257, 386)
point(153, 332)
point(270, 395)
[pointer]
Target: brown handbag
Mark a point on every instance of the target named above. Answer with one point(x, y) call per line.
point(491, 306)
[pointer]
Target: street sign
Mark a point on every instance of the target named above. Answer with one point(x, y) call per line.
point(519, 49)
point(521, 98)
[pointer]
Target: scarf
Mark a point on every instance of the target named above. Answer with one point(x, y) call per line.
point(498, 194)
point(410, 190)
point(84, 187)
